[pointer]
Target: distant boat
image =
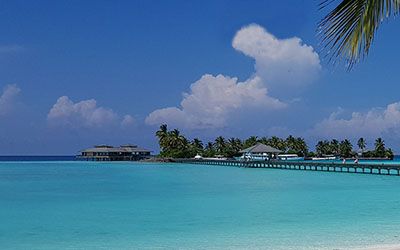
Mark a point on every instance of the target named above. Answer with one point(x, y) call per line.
point(217, 157)
point(289, 157)
point(198, 157)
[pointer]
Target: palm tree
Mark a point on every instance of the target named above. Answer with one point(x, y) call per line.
point(389, 154)
point(380, 148)
point(319, 148)
point(239, 144)
point(220, 144)
point(234, 145)
point(301, 147)
point(209, 150)
point(291, 144)
point(177, 144)
point(264, 140)
point(361, 144)
point(296, 145)
point(345, 148)
point(334, 147)
point(349, 29)
point(277, 143)
point(162, 135)
point(174, 139)
point(209, 146)
point(251, 141)
point(197, 145)
point(323, 148)
point(173, 144)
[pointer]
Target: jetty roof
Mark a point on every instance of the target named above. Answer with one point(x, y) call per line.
point(123, 148)
point(261, 148)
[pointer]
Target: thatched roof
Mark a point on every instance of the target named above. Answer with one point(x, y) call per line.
point(260, 148)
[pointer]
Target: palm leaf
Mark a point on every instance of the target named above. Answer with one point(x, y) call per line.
point(349, 29)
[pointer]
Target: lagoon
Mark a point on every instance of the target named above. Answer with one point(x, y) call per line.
point(128, 205)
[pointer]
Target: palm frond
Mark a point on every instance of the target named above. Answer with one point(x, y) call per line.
point(348, 31)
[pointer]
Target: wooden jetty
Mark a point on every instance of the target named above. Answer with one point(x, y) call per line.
point(359, 168)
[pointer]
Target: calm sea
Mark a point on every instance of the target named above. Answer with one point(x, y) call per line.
point(89, 205)
point(37, 158)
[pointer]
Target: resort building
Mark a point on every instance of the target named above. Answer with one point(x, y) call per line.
point(260, 152)
point(109, 153)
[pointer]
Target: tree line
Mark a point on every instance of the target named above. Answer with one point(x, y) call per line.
point(174, 144)
point(344, 148)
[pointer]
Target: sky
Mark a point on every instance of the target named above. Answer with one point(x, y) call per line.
point(78, 73)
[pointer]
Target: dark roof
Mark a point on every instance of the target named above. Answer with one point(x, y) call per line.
point(123, 148)
point(103, 146)
point(260, 148)
point(128, 146)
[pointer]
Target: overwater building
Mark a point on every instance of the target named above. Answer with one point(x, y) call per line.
point(260, 152)
point(109, 153)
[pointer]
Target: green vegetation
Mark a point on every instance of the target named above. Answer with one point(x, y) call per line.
point(345, 149)
point(348, 30)
point(361, 144)
point(334, 147)
point(174, 144)
point(380, 150)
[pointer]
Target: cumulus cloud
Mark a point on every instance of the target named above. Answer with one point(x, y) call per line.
point(8, 97)
point(278, 61)
point(213, 99)
point(373, 123)
point(83, 114)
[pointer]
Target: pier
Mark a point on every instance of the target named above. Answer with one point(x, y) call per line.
point(357, 168)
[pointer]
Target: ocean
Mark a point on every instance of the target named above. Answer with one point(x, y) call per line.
point(130, 205)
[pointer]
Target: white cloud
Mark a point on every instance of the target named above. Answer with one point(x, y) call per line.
point(127, 121)
point(374, 123)
point(213, 99)
point(83, 114)
point(278, 61)
point(7, 98)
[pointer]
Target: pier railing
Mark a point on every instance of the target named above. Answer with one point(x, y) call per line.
point(359, 168)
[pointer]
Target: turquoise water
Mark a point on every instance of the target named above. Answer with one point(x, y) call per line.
point(88, 205)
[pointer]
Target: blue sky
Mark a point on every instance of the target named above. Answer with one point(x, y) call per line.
point(76, 73)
